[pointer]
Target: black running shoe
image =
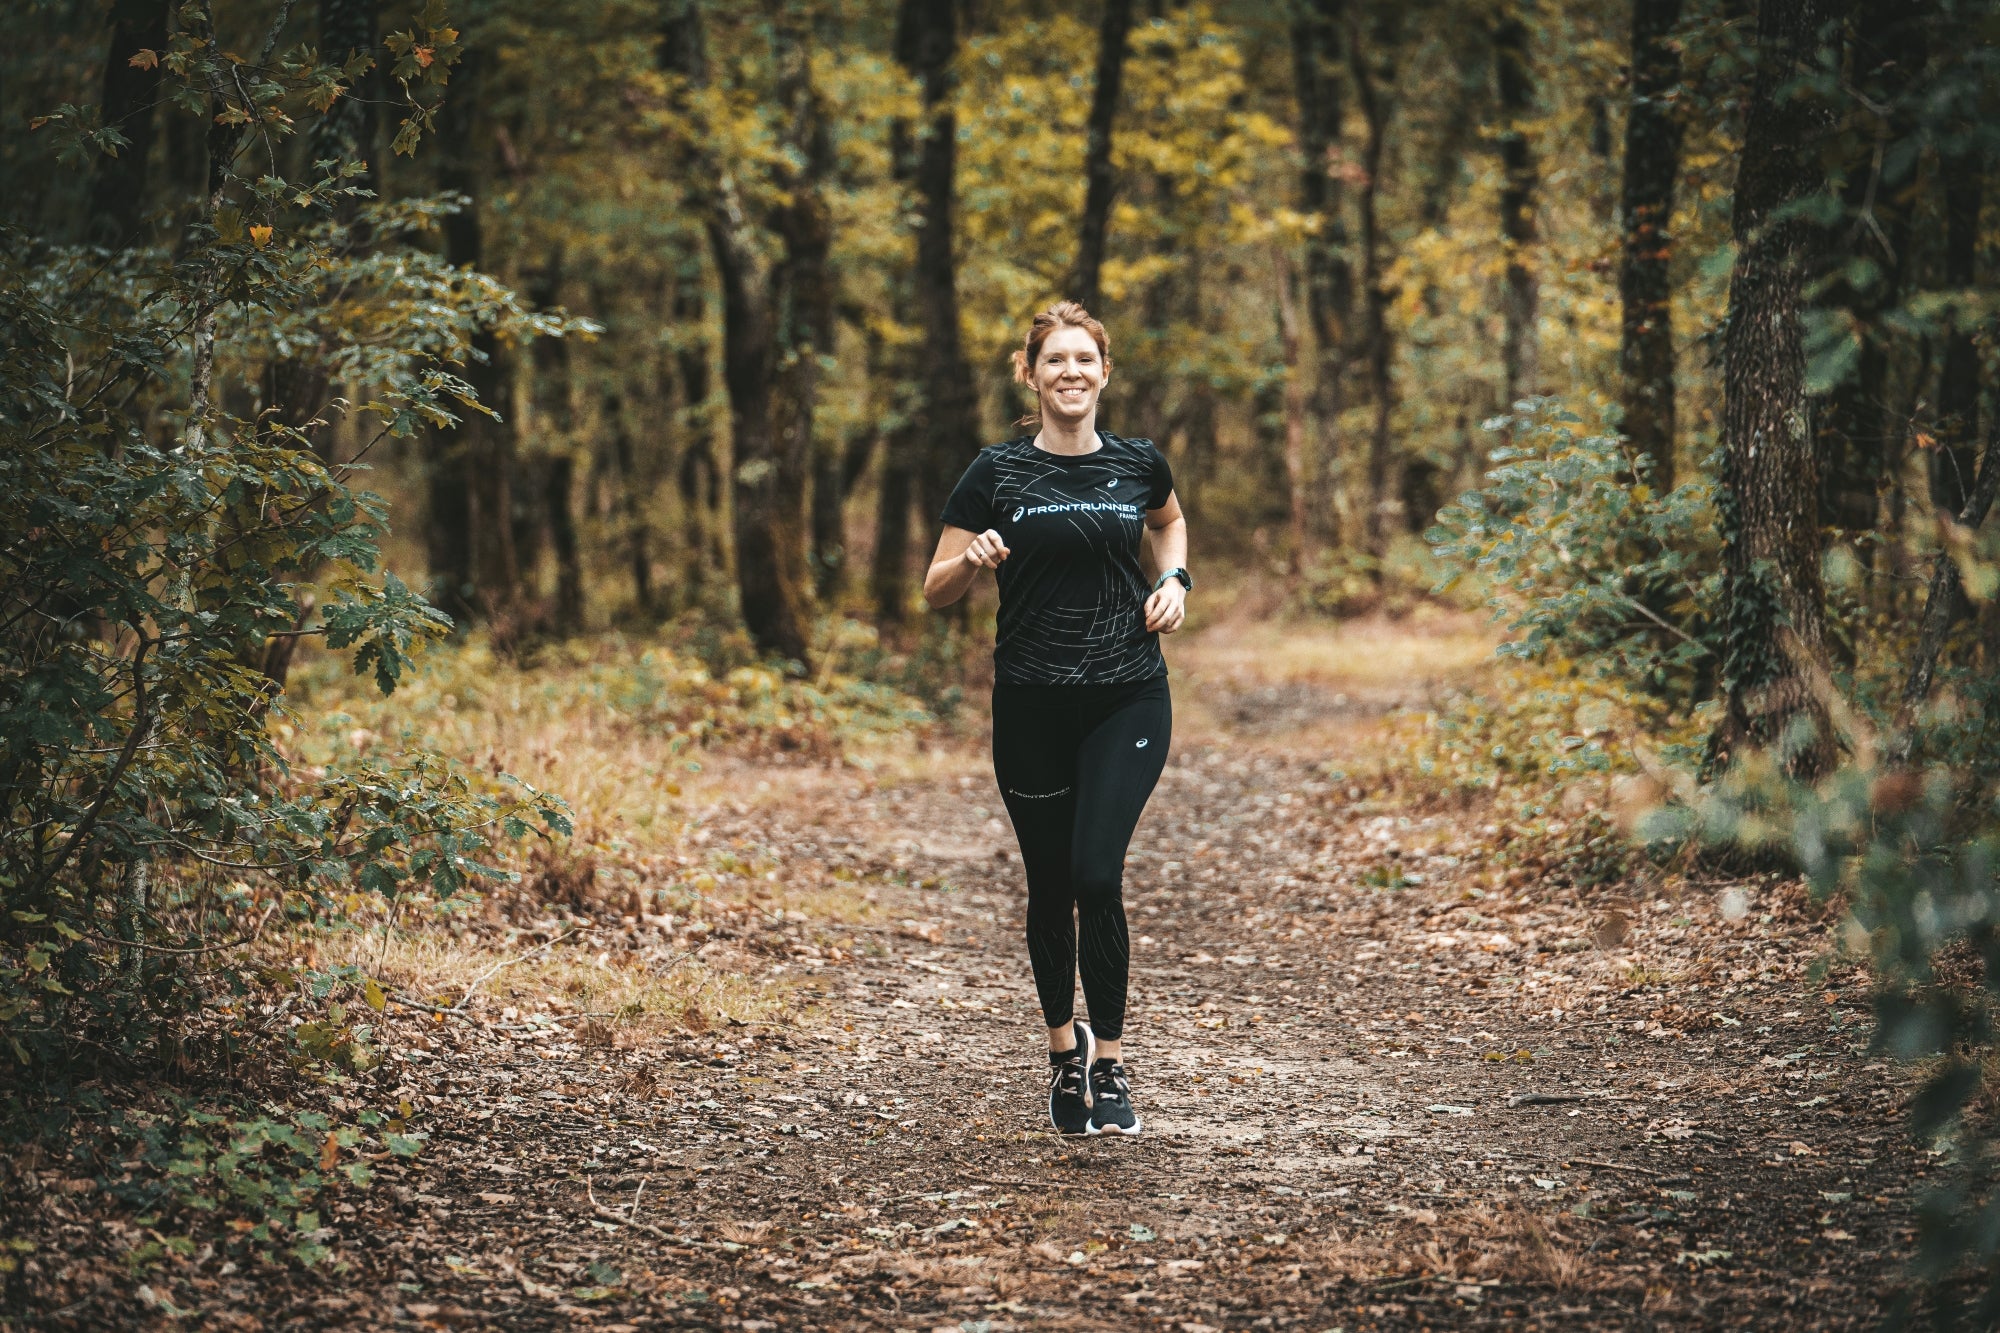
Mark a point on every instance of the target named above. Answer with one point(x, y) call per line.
point(1069, 1109)
point(1111, 1100)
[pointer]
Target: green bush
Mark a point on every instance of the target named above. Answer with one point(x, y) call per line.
point(1586, 561)
point(164, 551)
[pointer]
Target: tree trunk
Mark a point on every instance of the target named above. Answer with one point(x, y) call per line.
point(1111, 44)
point(1943, 605)
point(1774, 629)
point(118, 190)
point(1653, 131)
point(1295, 413)
point(889, 579)
point(347, 131)
point(469, 470)
point(1385, 517)
point(1520, 295)
point(558, 485)
point(948, 415)
point(699, 472)
point(803, 317)
point(1958, 376)
point(775, 314)
point(1329, 279)
point(1857, 430)
point(632, 496)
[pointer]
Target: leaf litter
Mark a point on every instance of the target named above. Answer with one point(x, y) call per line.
point(1333, 1064)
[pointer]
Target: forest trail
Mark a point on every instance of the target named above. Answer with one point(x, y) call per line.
point(1373, 1097)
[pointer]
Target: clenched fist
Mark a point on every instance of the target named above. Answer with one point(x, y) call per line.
point(986, 551)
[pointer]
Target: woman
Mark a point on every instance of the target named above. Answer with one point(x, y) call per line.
point(1088, 545)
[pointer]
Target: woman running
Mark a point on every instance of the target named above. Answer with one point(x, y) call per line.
point(1088, 543)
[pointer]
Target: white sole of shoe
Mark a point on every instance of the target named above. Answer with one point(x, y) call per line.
point(1114, 1132)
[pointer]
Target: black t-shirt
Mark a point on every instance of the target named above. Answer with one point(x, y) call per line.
point(1072, 595)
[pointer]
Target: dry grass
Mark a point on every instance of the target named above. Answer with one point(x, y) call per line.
point(677, 783)
point(1475, 1245)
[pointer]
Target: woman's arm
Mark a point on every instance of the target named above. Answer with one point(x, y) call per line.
point(1165, 547)
point(959, 558)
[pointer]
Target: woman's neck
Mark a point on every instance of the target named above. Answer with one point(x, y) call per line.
point(1069, 437)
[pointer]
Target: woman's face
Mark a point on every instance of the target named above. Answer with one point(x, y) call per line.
point(1070, 373)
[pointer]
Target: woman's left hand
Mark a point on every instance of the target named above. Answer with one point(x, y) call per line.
point(1166, 608)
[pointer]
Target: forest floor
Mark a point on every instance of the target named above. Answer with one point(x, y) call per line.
point(1384, 1084)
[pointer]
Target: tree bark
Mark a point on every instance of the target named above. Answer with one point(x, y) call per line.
point(1858, 431)
point(347, 132)
point(948, 413)
point(1774, 627)
point(1958, 376)
point(1653, 133)
point(889, 578)
point(118, 190)
point(772, 312)
point(1385, 516)
point(698, 474)
point(469, 469)
point(1295, 412)
point(632, 495)
point(1098, 181)
point(1944, 603)
point(1329, 278)
point(1521, 295)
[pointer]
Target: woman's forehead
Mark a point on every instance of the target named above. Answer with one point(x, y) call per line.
point(1070, 338)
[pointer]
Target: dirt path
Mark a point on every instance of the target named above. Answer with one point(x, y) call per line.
point(1444, 1104)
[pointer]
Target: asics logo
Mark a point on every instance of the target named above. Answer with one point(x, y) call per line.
point(1018, 511)
point(1141, 745)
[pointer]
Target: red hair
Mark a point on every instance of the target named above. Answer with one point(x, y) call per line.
point(1061, 315)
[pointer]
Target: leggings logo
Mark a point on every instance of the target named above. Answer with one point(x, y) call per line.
point(1141, 745)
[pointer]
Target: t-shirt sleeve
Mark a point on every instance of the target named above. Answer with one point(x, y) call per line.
point(971, 503)
point(1161, 483)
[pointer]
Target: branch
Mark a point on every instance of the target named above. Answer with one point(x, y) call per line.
point(251, 938)
point(479, 980)
point(141, 723)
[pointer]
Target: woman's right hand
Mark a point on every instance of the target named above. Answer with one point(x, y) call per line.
point(986, 550)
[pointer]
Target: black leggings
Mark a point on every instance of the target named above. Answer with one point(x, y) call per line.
point(1076, 764)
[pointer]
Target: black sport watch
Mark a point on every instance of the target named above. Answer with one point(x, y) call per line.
point(1187, 579)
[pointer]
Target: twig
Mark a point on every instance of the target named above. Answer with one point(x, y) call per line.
point(1545, 1098)
point(427, 1008)
point(633, 1211)
point(1613, 1166)
point(480, 980)
point(1022, 1184)
point(605, 1214)
point(251, 938)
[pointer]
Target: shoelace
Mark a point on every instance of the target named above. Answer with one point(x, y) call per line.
point(1067, 1077)
point(1113, 1084)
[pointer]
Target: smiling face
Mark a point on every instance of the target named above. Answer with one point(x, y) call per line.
point(1069, 373)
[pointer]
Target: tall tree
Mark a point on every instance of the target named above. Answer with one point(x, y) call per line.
point(774, 308)
point(1521, 295)
point(1866, 263)
point(1329, 278)
point(1958, 376)
point(347, 37)
point(1653, 133)
point(1371, 64)
point(469, 470)
point(1774, 630)
point(130, 92)
point(947, 417)
point(1112, 39)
